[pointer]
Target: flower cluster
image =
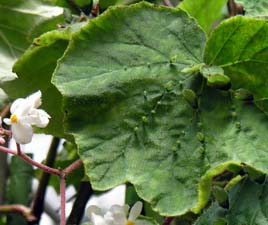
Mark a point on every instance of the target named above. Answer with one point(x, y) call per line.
point(117, 215)
point(24, 115)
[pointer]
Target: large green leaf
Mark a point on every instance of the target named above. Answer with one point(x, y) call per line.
point(120, 81)
point(20, 22)
point(247, 205)
point(206, 12)
point(137, 118)
point(240, 46)
point(254, 7)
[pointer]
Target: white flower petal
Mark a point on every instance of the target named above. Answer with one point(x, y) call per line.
point(119, 213)
point(98, 220)
point(135, 211)
point(109, 218)
point(7, 121)
point(118, 209)
point(93, 209)
point(126, 209)
point(43, 118)
point(22, 133)
point(17, 103)
point(35, 99)
point(22, 109)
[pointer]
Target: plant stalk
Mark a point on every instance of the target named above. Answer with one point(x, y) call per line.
point(63, 199)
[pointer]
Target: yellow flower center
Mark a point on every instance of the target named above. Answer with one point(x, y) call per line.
point(130, 222)
point(13, 118)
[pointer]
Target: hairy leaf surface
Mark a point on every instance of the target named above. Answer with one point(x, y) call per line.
point(123, 99)
point(126, 105)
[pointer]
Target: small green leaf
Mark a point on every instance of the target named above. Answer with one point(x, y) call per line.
point(206, 12)
point(207, 71)
point(219, 81)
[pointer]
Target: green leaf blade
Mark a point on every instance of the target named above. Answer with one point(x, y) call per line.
point(118, 94)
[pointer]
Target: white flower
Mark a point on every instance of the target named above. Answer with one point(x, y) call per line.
point(117, 215)
point(24, 115)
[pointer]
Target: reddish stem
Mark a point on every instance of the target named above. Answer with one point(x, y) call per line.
point(61, 173)
point(5, 132)
point(72, 167)
point(167, 3)
point(30, 161)
point(167, 220)
point(7, 150)
point(18, 149)
point(62, 195)
point(95, 11)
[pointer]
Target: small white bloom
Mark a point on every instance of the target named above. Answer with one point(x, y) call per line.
point(117, 215)
point(24, 115)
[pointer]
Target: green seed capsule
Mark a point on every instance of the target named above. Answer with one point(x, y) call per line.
point(234, 114)
point(238, 125)
point(219, 81)
point(243, 95)
point(200, 137)
point(201, 150)
point(169, 85)
point(173, 59)
point(144, 119)
point(190, 96)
